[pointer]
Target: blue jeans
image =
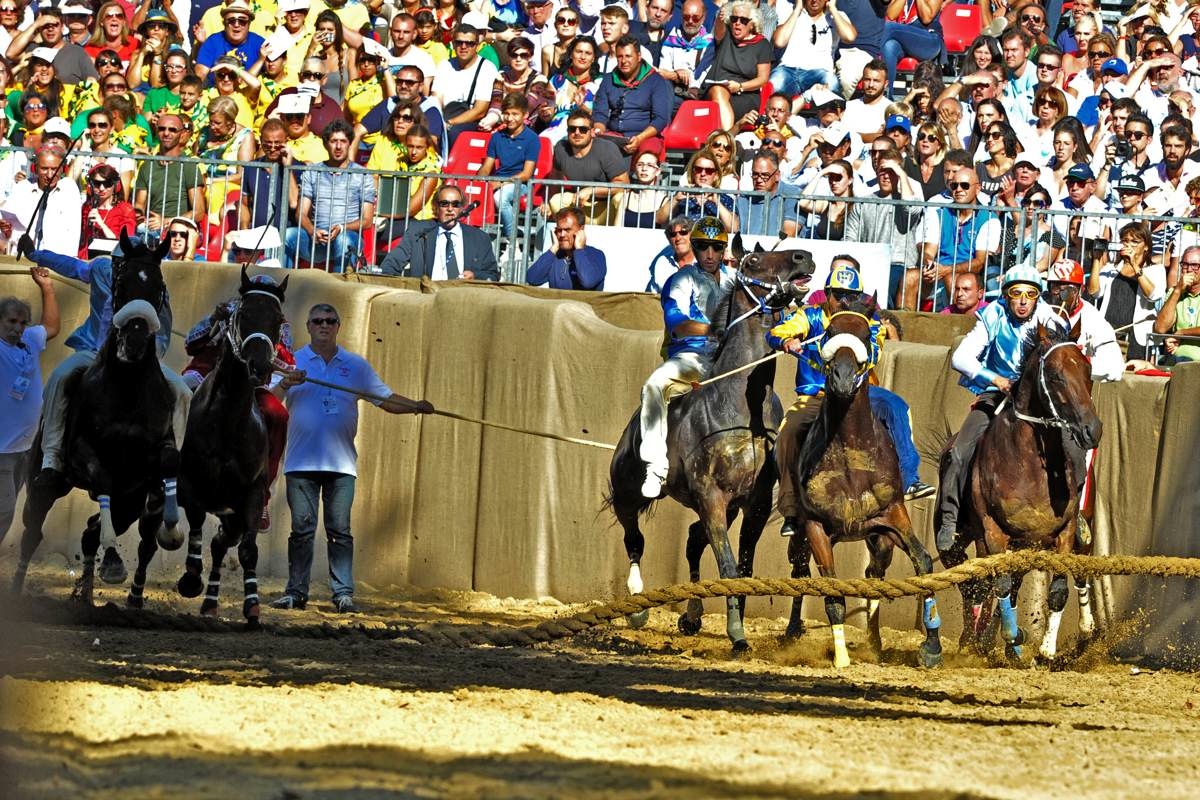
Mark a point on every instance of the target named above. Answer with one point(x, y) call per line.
point(13, 467)
point(908, 40)
point(893, 412)
point(341, 253)
point(797, 80)
point(507, 198)
point(304, 491)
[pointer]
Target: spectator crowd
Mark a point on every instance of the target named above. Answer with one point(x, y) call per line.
point(970, 138)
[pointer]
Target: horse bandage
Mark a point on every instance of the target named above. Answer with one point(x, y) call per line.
point(137, 308)
point(848, 340)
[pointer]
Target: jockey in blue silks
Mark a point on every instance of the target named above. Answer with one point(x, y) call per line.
point(689, 300)
point(799, 334)
point(989, 359)
point(86, 341)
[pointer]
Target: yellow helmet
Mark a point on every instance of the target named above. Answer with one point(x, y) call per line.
point(709, 229)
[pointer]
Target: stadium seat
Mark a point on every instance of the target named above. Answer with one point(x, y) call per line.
point(467, 153)
point(542, 169)
point(695, 120)
point(906, 64)
point(961, 25)
point(764, 94)
point(483, 192)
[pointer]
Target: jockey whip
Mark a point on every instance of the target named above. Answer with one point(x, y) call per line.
point(461, 417)
point(698, 384)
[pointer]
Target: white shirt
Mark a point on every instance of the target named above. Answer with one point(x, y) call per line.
point(324, 421)
point(415, 57)
point(64, 215)
point(862, 117)
point(1098, 342)
point(440, 273)
point(452, 85)
point(811, 44)
point(21, 390)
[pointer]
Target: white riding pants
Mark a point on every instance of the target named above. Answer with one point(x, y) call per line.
point(672, 379)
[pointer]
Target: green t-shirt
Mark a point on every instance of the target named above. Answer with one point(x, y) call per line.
point(167, 184)
point(158, 99)
point(79, 125)
point(1187, 315)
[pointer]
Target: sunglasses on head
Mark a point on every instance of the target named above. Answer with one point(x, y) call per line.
point(1017, 292)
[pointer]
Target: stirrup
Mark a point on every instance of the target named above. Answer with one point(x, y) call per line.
point(788, 528)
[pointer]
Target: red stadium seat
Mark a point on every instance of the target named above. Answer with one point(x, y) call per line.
point(961, 25)
point(482, 191)
point(764, 94)
point(544, 164)
point(695, 120)
point(907, 64)
point(467, 153)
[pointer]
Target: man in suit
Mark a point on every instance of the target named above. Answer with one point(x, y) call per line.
point(441, 248)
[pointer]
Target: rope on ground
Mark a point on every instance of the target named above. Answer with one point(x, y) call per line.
point(56, 612)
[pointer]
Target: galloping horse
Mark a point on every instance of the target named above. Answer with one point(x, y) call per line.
point(849, 476)
point(224, 459)
point(719, 439)
point(1025, 484)
point(120, 444)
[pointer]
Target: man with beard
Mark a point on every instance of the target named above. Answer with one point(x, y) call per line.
point(865, 116)
point(1168, 180)
point(633, 103)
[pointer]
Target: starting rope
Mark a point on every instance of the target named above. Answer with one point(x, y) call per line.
point(58, 612)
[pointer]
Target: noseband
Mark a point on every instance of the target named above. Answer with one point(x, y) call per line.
point(762, 305)
point(233, 331)
point(1055, 420)
point(851, 342)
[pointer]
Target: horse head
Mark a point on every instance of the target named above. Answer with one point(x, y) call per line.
point(774, 278)
point(1063, 383)
point(846, 347)
point(254, 327)
point(138, 295)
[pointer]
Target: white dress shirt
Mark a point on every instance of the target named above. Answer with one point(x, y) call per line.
point(61, 226)
point(439, 252)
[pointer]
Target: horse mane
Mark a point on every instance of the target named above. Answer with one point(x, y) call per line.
point(1032, 347)
point(723, 315)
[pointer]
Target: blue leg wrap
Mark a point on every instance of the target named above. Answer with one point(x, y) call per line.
point(930, 615)
point(1008, 619)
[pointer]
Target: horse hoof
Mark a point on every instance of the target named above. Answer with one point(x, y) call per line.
point(741, 647)
point(112, 568)
point(169, 537)
point(251, 610)
point(82, 592)
point(189, 585)
point(927, 658)
point(639, 619)
point(689, 626)
point(1012, 652)
point(208, 608)
point(134, 601)
point(876, 645)
point(794, 631)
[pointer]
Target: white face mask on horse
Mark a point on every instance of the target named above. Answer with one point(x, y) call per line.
point(126, 344)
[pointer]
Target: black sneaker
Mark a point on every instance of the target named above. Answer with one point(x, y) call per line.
point(918, 489)
point(946, 535)
point(344, 604)
point(288, 603)
point(789, 527)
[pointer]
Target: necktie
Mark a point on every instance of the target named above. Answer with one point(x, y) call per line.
point(451, 260)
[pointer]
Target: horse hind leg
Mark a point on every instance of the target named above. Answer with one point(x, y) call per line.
point(147, 547)
point(690, 620)
point(190, 583)
point(248, 558)
point(38, 501)
point(627, 515)
point(84, 586)
point(799, 554)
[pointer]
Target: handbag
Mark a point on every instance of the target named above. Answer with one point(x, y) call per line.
point(457, 107)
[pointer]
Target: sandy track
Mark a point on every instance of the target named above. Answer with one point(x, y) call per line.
point(612, 714)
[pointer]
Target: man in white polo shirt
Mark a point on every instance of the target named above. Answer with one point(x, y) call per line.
point(321, 463)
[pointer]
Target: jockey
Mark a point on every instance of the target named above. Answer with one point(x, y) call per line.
point(203, 344)
point(86, 341)
point(989, 358)
point(689, 299)
point(798, 334)
point(1097, 340)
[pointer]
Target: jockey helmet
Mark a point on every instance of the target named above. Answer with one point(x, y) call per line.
point(709, 229)
point(1066, 271)
point(1022, 274)
point(844, 277)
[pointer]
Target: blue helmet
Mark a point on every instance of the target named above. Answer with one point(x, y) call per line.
point(844, 277)
point(1022, 274)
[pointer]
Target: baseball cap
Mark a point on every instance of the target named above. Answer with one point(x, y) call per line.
point(1131, 183)
point(474, 20)
point(823, 97)
point(898, 121)
point(1115, 65)
point(263, 238)
point(1080, 172)
point(293, 104)
point(57, 125)
point(46, 54)
point(1030, 156)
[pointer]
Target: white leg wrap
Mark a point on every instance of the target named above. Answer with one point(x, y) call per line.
point(634, 582)
point(1049, 646)
point(108, 535)
point(1087, 622)
point(841, 656)
point(873, 611)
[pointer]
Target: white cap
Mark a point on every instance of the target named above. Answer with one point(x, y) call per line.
point(70, 9)
point(835, 134)
point(475, 19)
point(294, 5)
point(1115, 89)
point(293, 104)
point(57, 125)
point(821, 97)
point(46, 54)
point(263, 238)
point(1030, 156)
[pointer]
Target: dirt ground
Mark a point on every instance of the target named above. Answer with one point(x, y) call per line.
point(614, 713)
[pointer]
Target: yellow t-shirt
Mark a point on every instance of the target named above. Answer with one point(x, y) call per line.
point(309, 149)
point(267, 92)
point(431, 163)
point(245, 115)
point(361, 97)
point(436, 50)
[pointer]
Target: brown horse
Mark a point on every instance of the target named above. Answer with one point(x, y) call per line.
point(1026, 482)
point(720, 438)
point(849, 476)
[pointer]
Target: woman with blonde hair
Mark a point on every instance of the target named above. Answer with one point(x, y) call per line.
point(1049, 106)
point(225, 140)
point(742, 63)
point(112, 33)
point(930, 146)
point(723, 146)
point(703, 173)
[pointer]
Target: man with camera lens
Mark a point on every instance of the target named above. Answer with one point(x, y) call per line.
point(1125, 155)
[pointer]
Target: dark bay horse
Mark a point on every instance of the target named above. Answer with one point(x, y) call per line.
point(224, 458)
point(720, 438)
point(1025, 484)
point(850, 486)
point(120, 442)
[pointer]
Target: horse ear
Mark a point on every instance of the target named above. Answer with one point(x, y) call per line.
point(245, 279)
point(1043, 333)
point(739, 248)
point(758, 248)
point(126, 245)
point(283, 286)
point(871, 302)
point(1077, 329)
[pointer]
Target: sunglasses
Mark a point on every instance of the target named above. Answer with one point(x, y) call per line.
point(449, 203)
point(309, 75)
point(8, 10)
point(99, 183)
point(1031, 18)
point(237, 21)
point(960, 186)
point(928, 137)
point(1099, 54)
point(521, 54)
point(115, 87)
point(1038, 203)
point(1076, 182)
point(405, 117)
point(990, 135)
point(167, 129)
point(719, 146)
point(701, 246)
point(463, 43)
point(1130, 191)
point(324, 321)
point(835, 177)
point(177, 234)
point(1048, 66)
point(1016, 293)
point(739, 20)
point(578, 128)
point(1135, 136)
point(675, 234)
point(704, 170)
point(772, 142)
point(107, 62)
point(1046, 101)
point(35, 107)
point(293, 117)
point(92, 126)
point(408, 81)
point(1161, 51)
point(566, 21)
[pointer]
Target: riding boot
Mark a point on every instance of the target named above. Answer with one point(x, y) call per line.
point(790, 524)
point(957, 475)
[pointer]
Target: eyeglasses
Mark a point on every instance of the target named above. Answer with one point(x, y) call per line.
point(93, 126)
point(678, 232)
point(237, 21)
point(463, 43)
point(1048, 66)
point(1190, 266)
point(772, 142)
point(566, 21)
point(167, 129)
point(449, 203)
point(1135, 136)
point(177, 234)
point(763, 176)
point(100, 183)
point(704, 170)
point(700, 246)
point(1099, 54)
point(521, 54)
point(578, 128)
point(960, 186)
point(309, 75)
point(1016, 293)
point(324, 321)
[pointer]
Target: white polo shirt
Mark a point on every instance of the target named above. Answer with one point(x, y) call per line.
point(21, 390)
point(324, 421)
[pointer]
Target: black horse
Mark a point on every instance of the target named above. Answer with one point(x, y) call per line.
point(120, 440)
point(720, 438)
point(224, 459)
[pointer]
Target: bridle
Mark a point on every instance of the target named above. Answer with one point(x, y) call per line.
point(763, 304)
point(848, 340)
point(233, 331)
point(1055, 420)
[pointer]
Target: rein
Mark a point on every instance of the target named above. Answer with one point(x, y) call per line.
point(1054, 420)
point(761, 304)
point(233, 331)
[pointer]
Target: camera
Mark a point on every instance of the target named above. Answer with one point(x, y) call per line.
point(1123, 150)
point(763, 119)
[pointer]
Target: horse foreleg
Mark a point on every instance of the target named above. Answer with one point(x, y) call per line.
point(248, 558)
point(880, 548)
point(635, 542)
point(190, 583)
point(713, 513)
point(112, 568)
point(147, 547)
point(930, 652)
point(217, 550)
point(835, 607)
point(798, 554)
point(1006, 604)
point(90, 545)
point(1057, 598)
point(1087, 622)
point(690, 619)
point(754, 519)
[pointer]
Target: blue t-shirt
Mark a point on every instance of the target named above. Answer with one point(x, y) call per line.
point(21, 389)
point(511, 152)
point(217, 45)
